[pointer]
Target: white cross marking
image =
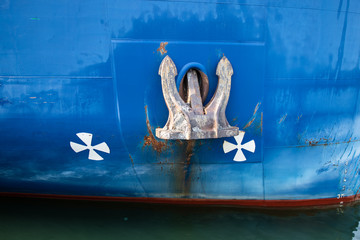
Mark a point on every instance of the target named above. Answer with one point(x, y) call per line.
point(239, 156)
point(87, 139)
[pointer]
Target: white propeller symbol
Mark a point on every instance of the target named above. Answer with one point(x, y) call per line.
point(239, 156)
point(87, 138)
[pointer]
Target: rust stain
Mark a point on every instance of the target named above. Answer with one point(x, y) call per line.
point(249, 123)
point(323, 142)
point(162, 49)
point(252, 119)
point(319, 142)
point(282, 118)
point(150, 140)
point(182, 170)
point(132, 161)
point(312, 142)
point(189, 152)
point(256, 108)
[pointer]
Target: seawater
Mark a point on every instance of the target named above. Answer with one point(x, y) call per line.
point(64, 219)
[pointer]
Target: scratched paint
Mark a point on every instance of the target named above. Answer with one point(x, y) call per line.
point(255, 124)
point(252, 119)
point(282, 119)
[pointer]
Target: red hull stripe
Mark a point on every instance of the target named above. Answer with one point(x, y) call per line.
point(197, 201)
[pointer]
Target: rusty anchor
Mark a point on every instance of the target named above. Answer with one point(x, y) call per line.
point(190, 119)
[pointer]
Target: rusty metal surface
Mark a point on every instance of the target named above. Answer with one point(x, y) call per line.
point(191, 120)
point(150, 140)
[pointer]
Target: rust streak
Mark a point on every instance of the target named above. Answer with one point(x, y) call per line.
point(189, 152)
point(162, 49)
point(257, 108)
point(150, 140)
point(132, 161)
point(249, 123)
point(315, 143)
point(283, 118)
point(252, 119)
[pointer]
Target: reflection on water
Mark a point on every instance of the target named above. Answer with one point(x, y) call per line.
point(60, 219)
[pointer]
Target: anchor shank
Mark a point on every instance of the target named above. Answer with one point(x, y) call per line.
point(194, 97)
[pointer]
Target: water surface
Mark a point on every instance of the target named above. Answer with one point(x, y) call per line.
point(63, 219)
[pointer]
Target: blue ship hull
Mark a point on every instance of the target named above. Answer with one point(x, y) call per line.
point(76, 67)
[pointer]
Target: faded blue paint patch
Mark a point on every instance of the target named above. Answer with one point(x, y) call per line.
point(4, 101)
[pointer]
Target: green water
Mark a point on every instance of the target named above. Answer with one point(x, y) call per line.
point(55, 219)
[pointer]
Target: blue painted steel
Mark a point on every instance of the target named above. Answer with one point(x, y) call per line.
point(92, 66)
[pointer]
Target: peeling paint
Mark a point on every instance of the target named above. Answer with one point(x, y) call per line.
point(162, 49)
